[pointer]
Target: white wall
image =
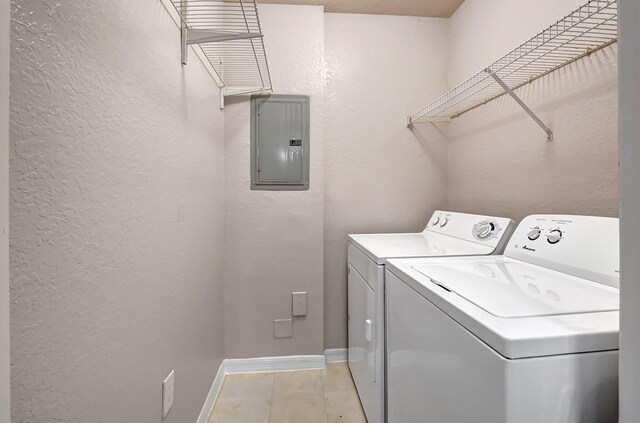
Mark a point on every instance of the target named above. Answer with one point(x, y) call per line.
point(379, 175)
point(499, 160)
point(630, 210)
point(482, 31)
point(117, 215)
point(4, 212)
point(274, 238)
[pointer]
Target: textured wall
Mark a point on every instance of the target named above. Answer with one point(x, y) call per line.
point(4, 211)
point(499, 160)
point(379, 175)
point(117, 169)
point(274, 239)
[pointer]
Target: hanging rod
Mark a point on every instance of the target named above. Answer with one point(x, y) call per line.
point(589, 28)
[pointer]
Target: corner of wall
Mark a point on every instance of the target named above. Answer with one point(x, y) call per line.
point(629, 104)
point(5, 403)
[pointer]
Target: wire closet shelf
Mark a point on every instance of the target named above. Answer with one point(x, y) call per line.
point(587, 29)
point(230, 36)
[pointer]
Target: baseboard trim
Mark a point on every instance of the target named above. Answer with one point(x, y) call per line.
point(337, 355)
point(274, 364)
point(266, 365)
point(210, 402)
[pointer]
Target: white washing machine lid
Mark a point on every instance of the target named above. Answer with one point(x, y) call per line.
point(518, 309)
point(517, 289)
point(381, 247)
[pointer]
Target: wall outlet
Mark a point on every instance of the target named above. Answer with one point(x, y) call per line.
point(167, 393)
point(283, 328)
point(299, 304)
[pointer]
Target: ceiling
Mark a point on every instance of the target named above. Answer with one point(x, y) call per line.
point(434, 8)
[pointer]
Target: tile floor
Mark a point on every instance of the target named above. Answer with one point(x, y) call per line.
point(315, 396)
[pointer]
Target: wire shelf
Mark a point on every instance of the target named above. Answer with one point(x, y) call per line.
point(230, 36)
point(587, 29)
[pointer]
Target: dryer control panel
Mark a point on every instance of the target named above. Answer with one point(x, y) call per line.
point(583, 246)
point(486, 230)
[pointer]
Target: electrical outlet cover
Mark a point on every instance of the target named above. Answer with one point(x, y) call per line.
point(299, 308)
point(167, 393)
point(283, 328)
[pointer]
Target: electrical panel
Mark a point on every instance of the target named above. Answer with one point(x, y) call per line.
point(280, 144)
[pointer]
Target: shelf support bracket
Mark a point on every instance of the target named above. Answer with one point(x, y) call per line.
point(521, 103)
point(184, 47)
point(443, 119)
point(183, 33)
point(197, 36)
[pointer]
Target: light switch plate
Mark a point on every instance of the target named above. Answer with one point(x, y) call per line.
point(167, 393)
point(299, 304)
point(283, 328)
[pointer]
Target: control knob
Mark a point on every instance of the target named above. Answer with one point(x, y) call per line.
point(435, 220)
point(485, 229)
point(554, 236)
point(534, 233)
point(444, 222)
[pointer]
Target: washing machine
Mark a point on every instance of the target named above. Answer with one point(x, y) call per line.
point(446, 234)
point(527, 337)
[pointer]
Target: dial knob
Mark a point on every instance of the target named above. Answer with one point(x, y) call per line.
point(444, 222)
point(534, 233)
point(485, 229)
point(435, 220)
point(554, 236)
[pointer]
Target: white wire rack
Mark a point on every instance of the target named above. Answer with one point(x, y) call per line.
point(589, 28)
point(230, 36)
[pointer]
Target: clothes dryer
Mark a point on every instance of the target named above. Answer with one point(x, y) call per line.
point(447, 234)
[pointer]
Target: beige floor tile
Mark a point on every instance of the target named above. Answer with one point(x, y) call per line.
point(326, 396)
point(336, 377)
point(344, 407)
point(305, 382)
point(251, 385)
point(298, 408)
point(241, 410)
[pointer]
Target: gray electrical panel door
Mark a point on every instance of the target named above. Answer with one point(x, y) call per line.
point(279, 142)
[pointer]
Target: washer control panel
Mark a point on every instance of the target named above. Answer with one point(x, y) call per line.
point(568, 244)
point(552, 236)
